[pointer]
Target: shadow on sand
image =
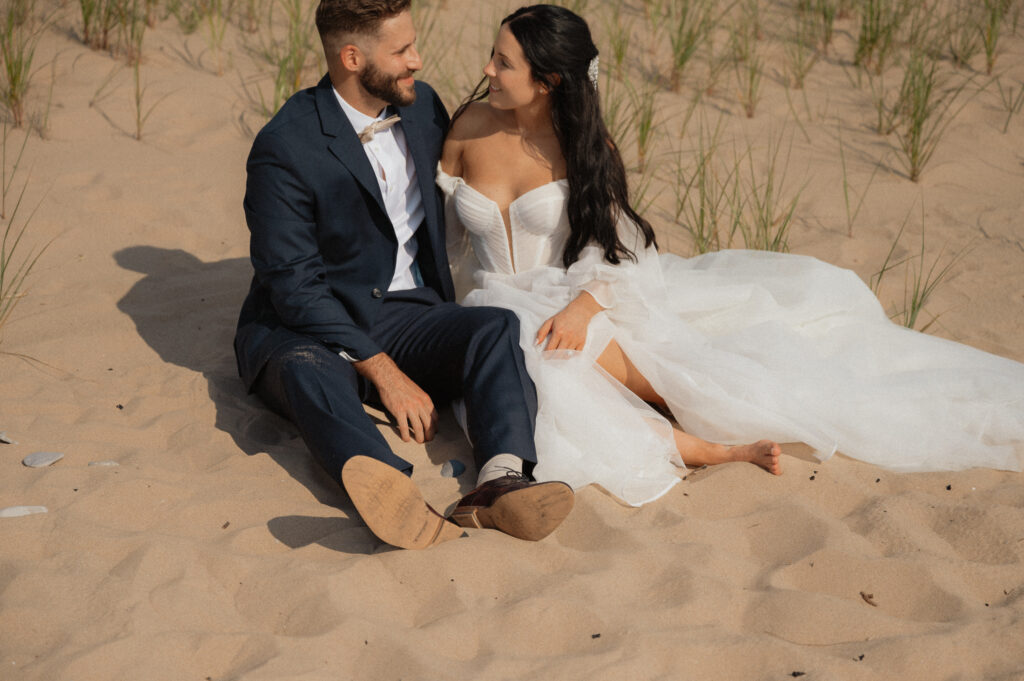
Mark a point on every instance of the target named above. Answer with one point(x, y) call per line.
point(185, 309)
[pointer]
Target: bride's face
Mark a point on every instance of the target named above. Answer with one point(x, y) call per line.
point(511, 83)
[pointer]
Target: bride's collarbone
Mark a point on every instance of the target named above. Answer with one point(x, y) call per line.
point(504, 181)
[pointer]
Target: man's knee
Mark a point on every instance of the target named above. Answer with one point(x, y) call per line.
point(304, 362)
point(499, 321)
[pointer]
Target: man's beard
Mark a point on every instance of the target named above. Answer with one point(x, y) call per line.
point(385, 87)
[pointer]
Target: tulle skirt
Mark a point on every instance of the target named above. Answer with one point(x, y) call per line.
point(749, 345)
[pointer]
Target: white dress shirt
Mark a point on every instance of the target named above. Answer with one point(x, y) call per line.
point(396, 175)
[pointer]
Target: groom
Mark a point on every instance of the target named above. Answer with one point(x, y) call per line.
point(351, 301)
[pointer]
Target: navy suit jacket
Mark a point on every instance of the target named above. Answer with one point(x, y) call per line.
point(322, 245)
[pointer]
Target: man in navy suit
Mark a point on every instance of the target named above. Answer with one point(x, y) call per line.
point(351, 301)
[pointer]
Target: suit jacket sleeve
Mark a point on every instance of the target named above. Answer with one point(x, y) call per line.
point(280, 210)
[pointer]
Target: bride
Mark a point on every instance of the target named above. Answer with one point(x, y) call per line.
point(644, 362)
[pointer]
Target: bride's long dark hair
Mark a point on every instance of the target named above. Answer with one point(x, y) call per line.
point(559, 49)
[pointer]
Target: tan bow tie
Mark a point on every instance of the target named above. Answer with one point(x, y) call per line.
point(377, 126)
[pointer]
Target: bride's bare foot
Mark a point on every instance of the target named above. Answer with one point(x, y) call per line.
point(763, 453)
point(697, 452)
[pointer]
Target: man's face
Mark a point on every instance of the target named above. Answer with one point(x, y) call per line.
point(391, 62)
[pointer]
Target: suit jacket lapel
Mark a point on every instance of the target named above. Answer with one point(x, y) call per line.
point(426, 167)
point(346, 146)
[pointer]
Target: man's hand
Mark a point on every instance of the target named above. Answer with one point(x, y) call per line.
point(568, 328)
point(412, 408)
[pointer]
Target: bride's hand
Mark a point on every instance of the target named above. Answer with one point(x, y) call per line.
point(567, 330)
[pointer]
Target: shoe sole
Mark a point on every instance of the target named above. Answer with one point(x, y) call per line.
point(531, 513)
point(392, 507)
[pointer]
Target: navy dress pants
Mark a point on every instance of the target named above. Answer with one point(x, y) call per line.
point(450, 351)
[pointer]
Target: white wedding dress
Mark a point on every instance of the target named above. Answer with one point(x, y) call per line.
point(743, 346)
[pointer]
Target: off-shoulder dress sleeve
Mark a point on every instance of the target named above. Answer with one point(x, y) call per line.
point(620, 289)
point(461, 258)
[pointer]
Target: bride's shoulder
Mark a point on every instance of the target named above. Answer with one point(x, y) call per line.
point(479, 119)
point(475, 123)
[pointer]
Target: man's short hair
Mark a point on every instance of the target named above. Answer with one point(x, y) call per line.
point(339, 21)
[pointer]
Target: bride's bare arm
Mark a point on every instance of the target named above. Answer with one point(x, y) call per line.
point(567, 330)
point(451, 155)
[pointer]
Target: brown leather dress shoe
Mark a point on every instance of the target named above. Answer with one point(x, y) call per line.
point(517, 506)
point(392, 507)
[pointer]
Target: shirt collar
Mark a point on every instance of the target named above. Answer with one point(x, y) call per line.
point(357, 118)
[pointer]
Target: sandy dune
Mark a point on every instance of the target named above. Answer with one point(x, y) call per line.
point(217, 550)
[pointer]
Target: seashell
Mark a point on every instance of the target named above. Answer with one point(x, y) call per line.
point(103, 463)
point(5, 439)
point(18, 511)
point(42, 459)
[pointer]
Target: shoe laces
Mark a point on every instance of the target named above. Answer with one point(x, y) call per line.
point(512, 475)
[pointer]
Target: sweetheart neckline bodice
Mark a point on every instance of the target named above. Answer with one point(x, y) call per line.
point(515, 200)
point(533, 235)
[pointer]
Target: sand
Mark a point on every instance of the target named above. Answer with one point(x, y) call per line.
point(216, 549)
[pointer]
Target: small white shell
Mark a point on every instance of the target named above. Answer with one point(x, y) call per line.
point(42, 459)
point(18, 511)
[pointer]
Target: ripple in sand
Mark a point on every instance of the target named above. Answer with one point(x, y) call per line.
point(42, 459)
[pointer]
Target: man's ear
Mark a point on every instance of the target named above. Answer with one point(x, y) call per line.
point(352, 58)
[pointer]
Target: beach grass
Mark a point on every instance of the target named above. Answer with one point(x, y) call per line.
point(801, 54)
point(1012, 103)
point(852, 213)
point(926, 110)
point(965, 34)
point(616, 108)
point(16, 260)
point(216, 29)
point(708, 201)
point(645, 126)
point(880, 22)
point(747, 60)
point(921, 278)
point(18, 41)
point(689, 22)
point(133, 24)
point(287, 50)
point(142, 109)
point(826, 11)
point(991, 28)
point(718, 60)
point(39, 120)
point(99, 19)
point(619, 32)
point(769, 211)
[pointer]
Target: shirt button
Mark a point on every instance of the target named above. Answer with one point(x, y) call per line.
point(377, 293)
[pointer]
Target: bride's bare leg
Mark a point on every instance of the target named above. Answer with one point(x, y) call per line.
point(698, 452)
point(693, 450)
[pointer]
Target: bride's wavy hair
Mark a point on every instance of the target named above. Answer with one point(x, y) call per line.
point(559, 49)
